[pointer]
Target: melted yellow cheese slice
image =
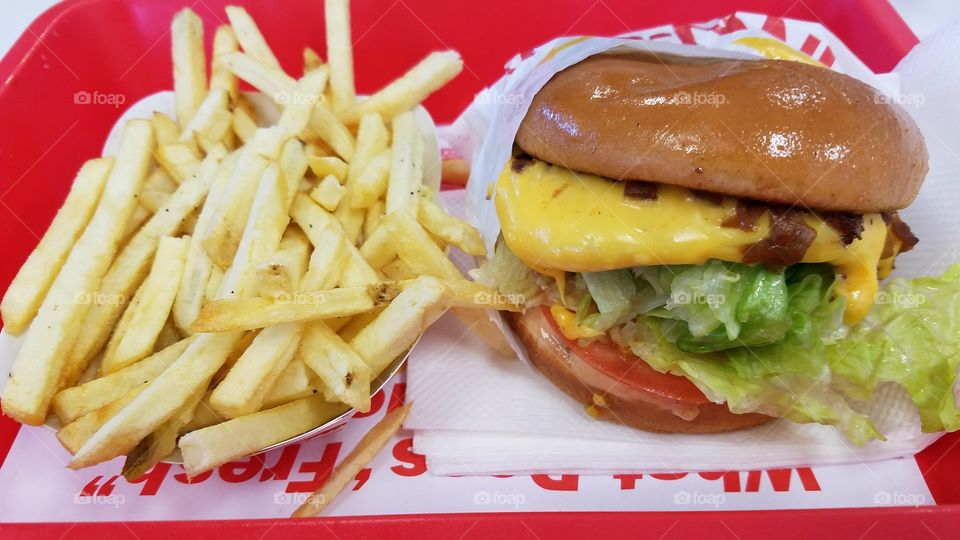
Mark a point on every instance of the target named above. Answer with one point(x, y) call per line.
point(555, 219)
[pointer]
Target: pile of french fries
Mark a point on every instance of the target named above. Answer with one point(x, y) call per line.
point(223, 285)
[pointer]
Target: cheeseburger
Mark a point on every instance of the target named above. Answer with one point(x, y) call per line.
point(699, 242)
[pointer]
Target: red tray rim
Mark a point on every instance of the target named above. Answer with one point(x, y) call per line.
point(774, 521)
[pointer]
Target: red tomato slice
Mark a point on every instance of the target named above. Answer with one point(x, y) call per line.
point(630, 369)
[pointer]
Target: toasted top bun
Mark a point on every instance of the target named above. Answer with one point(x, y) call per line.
point(775, 131)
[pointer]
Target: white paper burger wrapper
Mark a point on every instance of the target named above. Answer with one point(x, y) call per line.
point(476, 414)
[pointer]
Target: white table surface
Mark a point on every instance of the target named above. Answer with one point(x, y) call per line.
point(923, 16)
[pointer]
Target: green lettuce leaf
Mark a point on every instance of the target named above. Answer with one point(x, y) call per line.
point(819, 374)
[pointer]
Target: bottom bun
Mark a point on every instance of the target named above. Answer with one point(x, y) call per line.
point(629, 406)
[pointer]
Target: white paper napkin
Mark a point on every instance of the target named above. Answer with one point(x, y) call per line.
point(478, 414)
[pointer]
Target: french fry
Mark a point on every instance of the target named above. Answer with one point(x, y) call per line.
point(138, 217)
point(371, 184)
point(368, 447)
point(29, 287)
point(372, 138)
point(159, 181)
point(131, 266)
point(233, 204)
point(152, 200)
point(358, 322)
point(281, 274)
point(295, 382)
point(401, 323)
point(149, 314)
point(37, 368)
point(165, 128)
point(340, 53)
point(373, 217)
point(328, 193)
point(271, 81)
point(189, 65)
point(323, 166)
point(380, 248)
point(311, 60)
point(249, 381)
point(313, 220)
point(418, 250)
point(325, 124)
point(339, 367)
point(406, 167)
point(293, 165)
point(71, 403)
point(211, 122)
point(161, 443)
point(199, 270)
point(73, 435)
point(221, 78)
point(210, 447)
point(178, 160)
point(298, 106)
point(259, 312)
point(250, 37)
point(405, 93)
point(450, 229)
point(327, 262)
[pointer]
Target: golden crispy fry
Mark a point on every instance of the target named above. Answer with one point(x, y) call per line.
point(199, 270)
point(189, 65)
point(280, 275)
point(165, 129)
point(249, 381)
point(401, 323)
point(271, 81)
point(368, 447)
point(332, 131)
point(323, 166)
point(76, 401)
point(178, 160)
point(211, 123)
point(314, 220)
point(311, 60)
point(340, 52)
point(295, 382)
point(298, 106)
point(450, 229)
point(221, 78)
point(29, 288)
point(370, 186)
point(250, 313)
point(293, 165)
point(152, 308)
point(336, 364)
point(250, 37)
point(210, 447)
point(328, 193)
point(406, 169)
point(73, 435)
point(408, 91)
point(38, 366)
point(233, 205)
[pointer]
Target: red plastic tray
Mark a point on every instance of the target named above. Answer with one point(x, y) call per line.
point(122, 47)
